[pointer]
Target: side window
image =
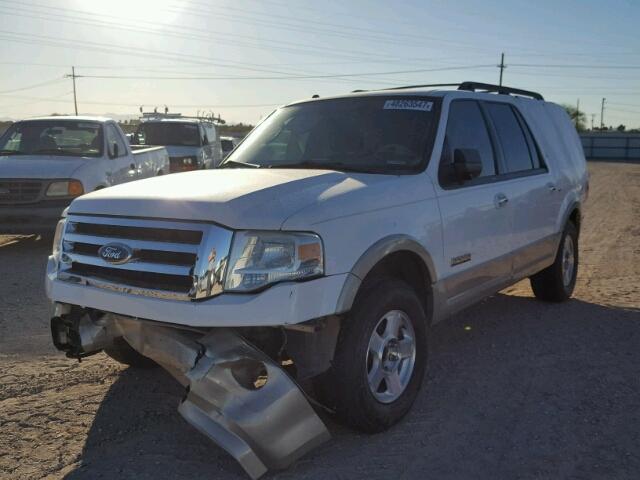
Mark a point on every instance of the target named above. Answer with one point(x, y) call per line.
point(114, 138)
point(211, 133)
point(203, 136)
point(538, 161)
point(515, 149)
point(466, 129)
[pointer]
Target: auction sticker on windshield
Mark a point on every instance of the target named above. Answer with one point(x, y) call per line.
point(422, 105)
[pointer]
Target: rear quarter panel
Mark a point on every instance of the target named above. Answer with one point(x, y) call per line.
point(562, 150)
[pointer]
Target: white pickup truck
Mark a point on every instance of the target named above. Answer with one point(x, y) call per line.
point(323, 249)
point(46, 162)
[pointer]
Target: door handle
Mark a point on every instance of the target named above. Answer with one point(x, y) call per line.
point(500, 200)
point(552, 187)
point(132, 169)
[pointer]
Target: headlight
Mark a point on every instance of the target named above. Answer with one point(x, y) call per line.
point(259, 259)
point(66, 188)
point(57, 238)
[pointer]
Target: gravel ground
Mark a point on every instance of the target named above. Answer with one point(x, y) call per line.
point(515, 388)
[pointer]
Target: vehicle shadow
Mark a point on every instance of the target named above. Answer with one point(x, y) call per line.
point(515, 388)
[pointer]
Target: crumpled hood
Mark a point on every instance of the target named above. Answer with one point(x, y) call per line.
point(40, 166)
point(237, 198)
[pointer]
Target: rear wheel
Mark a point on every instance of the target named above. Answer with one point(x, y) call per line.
point(124, 353)
point(380, 358)
point(556, 282)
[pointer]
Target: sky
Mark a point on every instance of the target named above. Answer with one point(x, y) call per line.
point(243, 58)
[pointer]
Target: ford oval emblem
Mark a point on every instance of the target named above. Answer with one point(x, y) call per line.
point(116, 253)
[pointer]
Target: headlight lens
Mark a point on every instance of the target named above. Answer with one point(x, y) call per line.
point(57, 238)
point(259, 259)
point(66, 188)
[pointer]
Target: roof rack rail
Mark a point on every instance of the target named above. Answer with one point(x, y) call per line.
point(488, 87)
point(204, 117)
point(469, 86)
point(406, 87)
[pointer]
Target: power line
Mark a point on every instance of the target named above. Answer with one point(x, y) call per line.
point(554, 65)
point(48, 41)
point(182, 31)
point(287, 77)
point(36, 85)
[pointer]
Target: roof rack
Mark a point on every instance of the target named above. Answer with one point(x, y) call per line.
point(204, 117)
point(500, 89)
point(470, 87)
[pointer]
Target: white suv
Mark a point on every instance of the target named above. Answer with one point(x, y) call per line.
point(324, 247)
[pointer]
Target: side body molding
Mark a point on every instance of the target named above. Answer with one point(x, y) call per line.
point(373, 255)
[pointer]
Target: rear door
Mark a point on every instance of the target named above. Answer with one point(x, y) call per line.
point(530, 187)
point(476, 215)
point(122, 167)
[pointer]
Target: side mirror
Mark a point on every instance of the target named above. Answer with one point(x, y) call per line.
point(467, 164)
point(114, 150)
point(205, 140)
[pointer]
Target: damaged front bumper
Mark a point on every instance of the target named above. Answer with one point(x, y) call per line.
point(236, 395)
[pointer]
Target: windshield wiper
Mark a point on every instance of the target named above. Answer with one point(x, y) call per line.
point(11, 152)
point(237, 164)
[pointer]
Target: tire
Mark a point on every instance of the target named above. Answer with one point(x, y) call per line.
point(555, 283)
point(123, 353)
point(346, 387)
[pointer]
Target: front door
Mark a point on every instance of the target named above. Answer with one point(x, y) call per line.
point(121, 164)
point(477, 216)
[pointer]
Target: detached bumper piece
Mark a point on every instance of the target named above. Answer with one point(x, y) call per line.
point(236, 395)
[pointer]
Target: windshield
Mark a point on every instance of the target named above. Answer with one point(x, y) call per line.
point(168, 133)
point(368, 134)
point(53, 137)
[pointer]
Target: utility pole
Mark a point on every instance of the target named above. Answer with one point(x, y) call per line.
point(502, 66)
point(602, 114)
point(577, 113)
point(73, 77)
point(593, 116)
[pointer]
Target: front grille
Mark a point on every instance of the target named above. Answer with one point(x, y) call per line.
point(146, 280)
point(142, 254)
point(19, 191)
point(167, 259)
point(176, 164)
point(138, 233)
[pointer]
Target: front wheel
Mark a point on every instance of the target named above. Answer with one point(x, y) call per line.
point(380, 358)
point(556, 282)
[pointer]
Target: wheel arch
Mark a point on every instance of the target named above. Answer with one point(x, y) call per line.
point(573, 213)
point(398, 256)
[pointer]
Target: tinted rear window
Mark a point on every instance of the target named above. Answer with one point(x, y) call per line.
point(517, 156)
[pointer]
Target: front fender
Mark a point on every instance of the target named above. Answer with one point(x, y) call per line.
point(372, 256)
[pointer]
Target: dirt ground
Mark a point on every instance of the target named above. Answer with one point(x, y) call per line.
point(515, 388)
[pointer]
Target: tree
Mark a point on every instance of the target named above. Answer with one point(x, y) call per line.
point(579, 118)
point(621, 128)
